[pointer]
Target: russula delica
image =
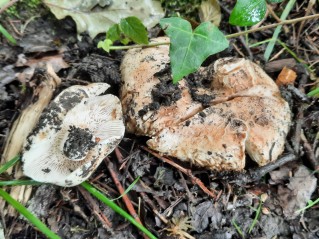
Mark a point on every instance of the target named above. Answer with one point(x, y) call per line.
point(237, 109)
point(77, 130)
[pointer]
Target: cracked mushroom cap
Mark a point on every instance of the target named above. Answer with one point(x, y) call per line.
point(151, 102)
point(77, 130)
point(209, 139)
point(242, 111)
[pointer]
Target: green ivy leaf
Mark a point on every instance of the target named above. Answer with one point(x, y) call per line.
point(105, 45)
point(113, 33)
point(189, 49)
point(248, 12)
point(133, 28)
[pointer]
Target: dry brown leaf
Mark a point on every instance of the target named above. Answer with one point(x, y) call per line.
point(209, 11)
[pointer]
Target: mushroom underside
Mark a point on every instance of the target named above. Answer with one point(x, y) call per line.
point(78, 129)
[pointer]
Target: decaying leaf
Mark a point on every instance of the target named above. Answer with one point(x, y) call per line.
point(56, 61)
point(22, 127)
point(298, 192)
point(97, 16)
point(209, 11)
point(240, 110)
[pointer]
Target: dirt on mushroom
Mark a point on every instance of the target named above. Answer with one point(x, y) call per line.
point(238, 108)
point(77, 130)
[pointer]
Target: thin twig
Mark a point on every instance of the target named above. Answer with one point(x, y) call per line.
point(121, 190)
point(149, 201)
point(95, 208)
point(188, 172)
point(309, 152)
point(256, 174)
point(274, 25)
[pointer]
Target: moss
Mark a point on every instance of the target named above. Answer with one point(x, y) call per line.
point(185, 8)
point(30, 6)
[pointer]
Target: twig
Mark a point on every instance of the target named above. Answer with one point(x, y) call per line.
point(257, 173)
point(149, 201)
point(95, 208)
point(309, 152)
point(188, 172)
point(121, 190)
point(300, 116)
point(308, 10)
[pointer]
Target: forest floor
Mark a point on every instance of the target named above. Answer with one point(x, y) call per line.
point(260, 202)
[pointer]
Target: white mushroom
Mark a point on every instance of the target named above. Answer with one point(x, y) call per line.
point(243, 110)
point(78, 129)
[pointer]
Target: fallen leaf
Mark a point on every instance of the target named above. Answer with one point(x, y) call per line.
point(95, 18)
point(204, 214)
point(298, 192)
point(209, 11)
point(56, 61)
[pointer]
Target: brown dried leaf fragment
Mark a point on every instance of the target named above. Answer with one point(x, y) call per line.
point(286, 77)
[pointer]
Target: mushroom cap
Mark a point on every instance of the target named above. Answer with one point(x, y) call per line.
point(240, 93)
point(79, 128)
point(149, 109)
point(209, 139)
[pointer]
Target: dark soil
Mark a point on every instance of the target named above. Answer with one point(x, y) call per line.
point(165, 192)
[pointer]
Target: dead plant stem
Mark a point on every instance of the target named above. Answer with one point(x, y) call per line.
point(188, 172)
point(274, 25)
point(121, 190)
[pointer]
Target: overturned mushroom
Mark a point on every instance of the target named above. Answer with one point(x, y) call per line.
point(77, 130)
point(242, 110)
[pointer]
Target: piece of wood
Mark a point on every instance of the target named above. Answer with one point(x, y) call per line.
point(21, 128)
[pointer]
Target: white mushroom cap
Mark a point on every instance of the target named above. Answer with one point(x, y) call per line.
point(74, 134)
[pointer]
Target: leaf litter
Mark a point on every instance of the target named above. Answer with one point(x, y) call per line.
point(288, 188)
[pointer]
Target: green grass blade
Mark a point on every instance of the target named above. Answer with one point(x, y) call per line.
point(31, 218)
point(127, 190)
point(310, 204)
point(96, 193)
point(240, 232)
point(9, 164)
point(256, 217)
point(314, 92)
point(7, 35)
point(19, 183)
point(283, 17)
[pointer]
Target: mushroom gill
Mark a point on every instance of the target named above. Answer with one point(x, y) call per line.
point(244, 113)
point(78, 129)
